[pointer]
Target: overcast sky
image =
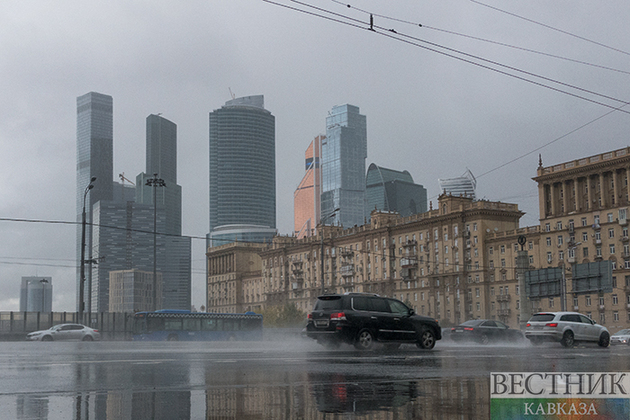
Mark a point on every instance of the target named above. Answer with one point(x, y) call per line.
point(427, 113)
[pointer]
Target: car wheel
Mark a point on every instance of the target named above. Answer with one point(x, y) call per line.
point(484, 339)
point(173, 337)
point(88, 338)
point(568, 339)
point(47, 338)
point(604, 340)
point(426, 340)
point(365, 340)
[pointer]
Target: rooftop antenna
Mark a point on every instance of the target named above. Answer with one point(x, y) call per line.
point(231, 93)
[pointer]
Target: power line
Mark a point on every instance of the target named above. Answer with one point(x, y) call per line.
point(551, 27)
point(490, 41)
point(393, 34)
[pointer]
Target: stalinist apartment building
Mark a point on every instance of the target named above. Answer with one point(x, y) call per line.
point(458, 261)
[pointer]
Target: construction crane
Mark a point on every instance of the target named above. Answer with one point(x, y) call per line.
point(231, 93)
point(123, 179)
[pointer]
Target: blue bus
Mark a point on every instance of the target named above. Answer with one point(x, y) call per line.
point(182, 325)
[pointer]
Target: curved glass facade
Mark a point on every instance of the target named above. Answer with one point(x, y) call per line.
point(242, 164)
point(390, 190)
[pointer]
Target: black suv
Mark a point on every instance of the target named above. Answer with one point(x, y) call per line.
point(361, 319)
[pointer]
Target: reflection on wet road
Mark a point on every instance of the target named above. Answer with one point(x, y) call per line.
point(267, 380)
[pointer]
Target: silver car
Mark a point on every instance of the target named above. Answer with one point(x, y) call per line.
point(621, 337)
point(566, 328)
point(65, 332)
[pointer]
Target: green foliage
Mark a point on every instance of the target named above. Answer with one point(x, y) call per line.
point(283, 316)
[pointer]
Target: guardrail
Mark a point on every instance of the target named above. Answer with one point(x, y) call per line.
point(111, 325)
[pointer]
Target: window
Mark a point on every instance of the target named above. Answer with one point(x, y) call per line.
point(612, 248)
point(611, 233)
point(551, 302)
point(549, 257)
point(609, 217)
point(502, 249)
point(596, 219)
point(615, 300)
point(549, 241)
point(585, 236)
point(559, 226)
point(584, 221)
point(588, 300)
point(490, 250)
point(561, 255)
point(560, 240)
point(503, 262)
point(475, 227)
point(585, 252)
point(547, 227)
point(622, 214)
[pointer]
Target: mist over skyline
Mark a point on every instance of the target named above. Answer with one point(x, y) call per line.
point(427, 113)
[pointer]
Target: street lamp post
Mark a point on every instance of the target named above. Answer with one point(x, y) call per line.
point(321, 256)
point(82, 275)
point(155, 182)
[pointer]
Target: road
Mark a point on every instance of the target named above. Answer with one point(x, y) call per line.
point(285, 380)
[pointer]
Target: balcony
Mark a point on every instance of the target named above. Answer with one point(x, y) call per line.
point(504, 312)
point(347, 270)
point(504, 298)
point(408, 262)
point(624, 239)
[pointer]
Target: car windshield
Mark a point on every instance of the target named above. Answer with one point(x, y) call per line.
point(622, 332)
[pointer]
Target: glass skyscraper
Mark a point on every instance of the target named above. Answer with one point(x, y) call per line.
point(120, 217)
point(94, 159)
point(344, 151)
point(390, 190)
point(242, 172)
point(306, 204)
point(464, 185)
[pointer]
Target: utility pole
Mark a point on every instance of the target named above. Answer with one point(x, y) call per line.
point(522, 264)
point(155, 182)
point(82, 262)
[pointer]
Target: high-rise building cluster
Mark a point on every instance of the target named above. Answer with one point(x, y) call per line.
point(124, 219)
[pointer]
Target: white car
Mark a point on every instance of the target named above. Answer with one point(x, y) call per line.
point(566, 328)
point(65, 332)
point(621, 337)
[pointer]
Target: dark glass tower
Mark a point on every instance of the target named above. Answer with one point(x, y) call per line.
point(94, 159)
point(344, 151)
point(390, 190)
point(242, 172)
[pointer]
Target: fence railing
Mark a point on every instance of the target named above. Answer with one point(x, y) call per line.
point(111, 325)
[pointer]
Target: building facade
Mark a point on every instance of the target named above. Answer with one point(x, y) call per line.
point(306, 199)
point(131, 291)
point(583, 218)
point(390, 190)
point(459, 261)
point(344, 151)
point(242, 171)
point(94, 159)
point(36, 294)
point(234, 281)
